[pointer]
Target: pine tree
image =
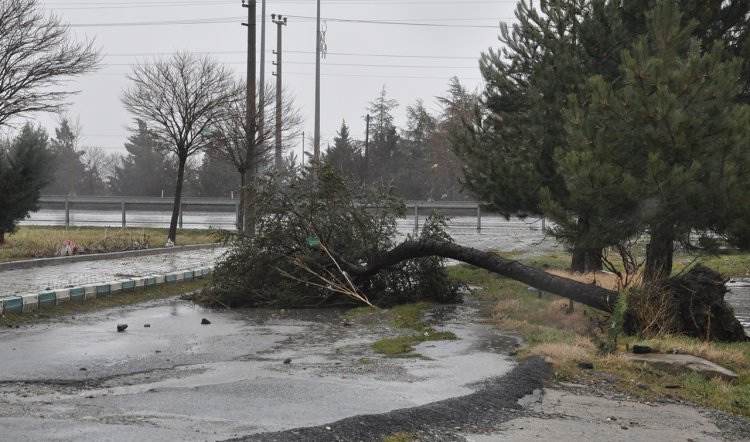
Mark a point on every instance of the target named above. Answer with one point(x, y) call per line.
point(508, 154)
point(69, 172)
point(418, 141)
point(509, 151)
point(216, 177)
point(384, 152)
point(147, 170)
point(458, 106)
point(25, 166)
point(345, 155)
point(662, 149)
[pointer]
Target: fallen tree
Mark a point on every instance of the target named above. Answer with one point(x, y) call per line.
point(322, 242)
point(695, 300)
point(587, 294)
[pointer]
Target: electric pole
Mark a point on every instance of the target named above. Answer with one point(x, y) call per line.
point(280, 21)
point(261, 80)
point(248, 219)
point(316, 139)
point(367, 145)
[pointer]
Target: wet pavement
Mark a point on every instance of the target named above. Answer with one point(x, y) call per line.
point(36, 279)
point(739, 298)
point(248, 371)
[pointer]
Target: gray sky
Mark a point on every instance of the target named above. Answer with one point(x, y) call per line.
point(415, 60)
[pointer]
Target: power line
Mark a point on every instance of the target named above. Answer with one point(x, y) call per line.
point(353, 54)
point(199, 21)
point(401, 23)
point(182, 3)
point(219, 20)
point(98, 6)
point(397, 77)
point(409, 77)
point(332, 64)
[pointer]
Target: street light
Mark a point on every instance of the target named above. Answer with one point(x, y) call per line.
point(280, 21)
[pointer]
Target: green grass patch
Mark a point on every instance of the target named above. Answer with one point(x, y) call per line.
point(399, 437)
point(732, 264)
point(68, 309)
point(409, 316)
point(403, 346)
point(45, 241)
point(362, 311)
point(559, 259)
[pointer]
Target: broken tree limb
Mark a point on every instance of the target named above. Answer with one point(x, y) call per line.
point(587, 294)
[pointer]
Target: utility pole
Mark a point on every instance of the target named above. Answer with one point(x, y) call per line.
point(367, 145)
point(248, 220)
point(261, 80)
point(303, 148)
point(316, 147)
point(280, 21)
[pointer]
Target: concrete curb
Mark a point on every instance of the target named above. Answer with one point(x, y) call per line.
point(43, 262)
point(33, 301)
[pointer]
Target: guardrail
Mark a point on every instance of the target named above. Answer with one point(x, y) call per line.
point(111, 205)
point(108, 202)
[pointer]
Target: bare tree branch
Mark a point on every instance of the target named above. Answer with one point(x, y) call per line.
point(37, 56)
point(229, 135)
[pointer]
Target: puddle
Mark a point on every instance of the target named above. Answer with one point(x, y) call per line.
point(255, 370)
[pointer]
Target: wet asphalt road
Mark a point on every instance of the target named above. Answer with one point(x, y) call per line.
point(180, 380)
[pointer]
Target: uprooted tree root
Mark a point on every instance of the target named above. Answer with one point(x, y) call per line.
point(691, 304)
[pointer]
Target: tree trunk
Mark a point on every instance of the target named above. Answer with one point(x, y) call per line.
point(659, 253)
point(587, 294)
point(586, 260)
point(248, 206)
point(240, 221)
point(172, 235)
point(2, 237)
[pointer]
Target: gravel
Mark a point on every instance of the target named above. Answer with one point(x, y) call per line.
point(442, 421)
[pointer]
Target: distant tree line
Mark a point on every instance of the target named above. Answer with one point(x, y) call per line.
point(416, 160)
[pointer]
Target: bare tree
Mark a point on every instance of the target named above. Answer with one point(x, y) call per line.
point(228, 136)
point(100, 167)
point(181, 97)
point(37, 55)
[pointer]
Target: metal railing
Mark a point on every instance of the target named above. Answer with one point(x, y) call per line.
point(104, 210)
point(68, 203)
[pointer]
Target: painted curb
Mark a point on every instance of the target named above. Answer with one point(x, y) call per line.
point(62, 296)
point(12, 304)
point(77, 294)
point(30, 302)
point(49, 298)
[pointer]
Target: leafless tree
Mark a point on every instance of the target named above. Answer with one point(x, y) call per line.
point(180, 97)
point(37, 55)
point(95, 158)
point(228, 136)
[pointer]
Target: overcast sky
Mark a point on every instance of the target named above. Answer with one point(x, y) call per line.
point(414, 60)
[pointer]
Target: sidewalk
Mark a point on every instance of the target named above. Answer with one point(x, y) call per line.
point(102, 276)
